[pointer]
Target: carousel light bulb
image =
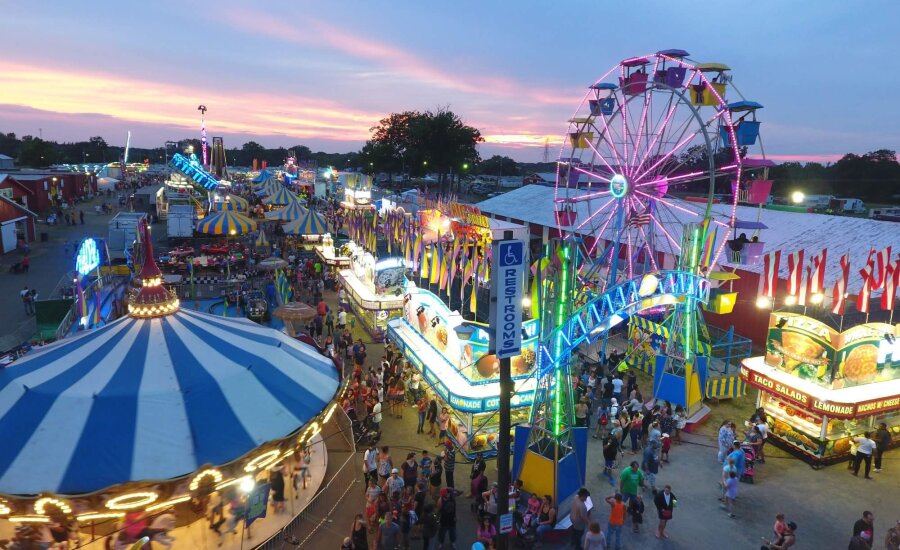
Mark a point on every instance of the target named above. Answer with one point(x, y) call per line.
point(817, 298)
point(790, 300)
point(247, 484)
point(762, 302)
point(797, 197)
point(526, 302)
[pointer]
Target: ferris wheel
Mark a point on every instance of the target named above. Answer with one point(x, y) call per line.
point(653, 147)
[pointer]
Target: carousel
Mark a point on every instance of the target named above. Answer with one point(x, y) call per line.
point(155, 413)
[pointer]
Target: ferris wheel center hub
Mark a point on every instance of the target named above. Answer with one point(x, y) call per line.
point(618, 185)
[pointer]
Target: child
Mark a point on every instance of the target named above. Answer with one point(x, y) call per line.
point(534, 509)
point(666, 445)
point(680, 423)
point(636, 511)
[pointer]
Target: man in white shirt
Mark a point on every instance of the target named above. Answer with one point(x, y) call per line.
point(342, 320)
point(617, 388)
point(414, 382)
point(863, 453)
point(376, 417)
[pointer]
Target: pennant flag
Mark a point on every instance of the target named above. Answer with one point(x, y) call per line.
point(463, 268)
point(473, 299)
point(95, 322)
point(426, 264)
point(862, 299)
point(883, 261)
point(709, 247)
point(891, 282)
point(435, 264)
point(804, 287)
point(768, 280)
point(445, 268)
point(795, 272)
point(839, 292)
point(817, 280)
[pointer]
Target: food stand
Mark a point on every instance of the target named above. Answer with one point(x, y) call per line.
point(357, 191)
point(374, 290)
point(820, 388)
point(334, 257)
point(452, 357)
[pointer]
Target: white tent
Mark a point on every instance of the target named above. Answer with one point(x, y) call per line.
point(106, 183)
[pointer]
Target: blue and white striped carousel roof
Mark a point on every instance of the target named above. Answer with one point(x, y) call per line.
point(153, 399)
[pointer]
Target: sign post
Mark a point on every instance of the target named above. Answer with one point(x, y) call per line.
point(507, 290)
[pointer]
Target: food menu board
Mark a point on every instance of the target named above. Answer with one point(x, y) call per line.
point(809, 349)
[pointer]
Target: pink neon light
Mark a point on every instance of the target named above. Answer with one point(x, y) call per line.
point(677, 147)
point(624, 110)
point(656, 137)
point(589, 196)
point(628, 255)
point(649, 252)
point(666, 233)
point(599, 235)
point(600, 155)
point(589, 218)
point(669, 204)
point(643, 122)
point(589, 173)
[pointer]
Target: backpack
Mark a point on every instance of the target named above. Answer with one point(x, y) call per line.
point(448, 510)
point(604, 420)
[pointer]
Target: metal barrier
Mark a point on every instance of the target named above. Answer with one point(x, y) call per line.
point(340, 478)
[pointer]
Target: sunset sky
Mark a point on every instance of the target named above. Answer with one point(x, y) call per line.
point(322, 73)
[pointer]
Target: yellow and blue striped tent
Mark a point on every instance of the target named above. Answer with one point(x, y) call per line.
point(293, 211)
point(261, 240)
point(226, 223)
point(267, 188)
point(233, 203)
point(311, 224)
point(282, 197)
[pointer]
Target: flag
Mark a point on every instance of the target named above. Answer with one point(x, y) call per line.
point(96, 318)
point(709, 247)
point(817, 280)
point(81, 306)
point(638, 220)
point(891, 282)
point(768, 279)
point(473, 299)
point(436, 257)
point(795, 272)
point(443, 276)
point(804, 287)
point(426, 264)
point(883, 262)
point(862, 299)
point(839, 292)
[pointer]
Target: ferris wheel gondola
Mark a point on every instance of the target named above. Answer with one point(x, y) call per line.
point(652, 147)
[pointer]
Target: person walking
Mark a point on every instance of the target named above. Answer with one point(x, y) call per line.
point(864, 450)
point(594, 539)
point(447, 514)
point(636, 511)
point(882, 442)
point(450, 465)
point(731, 491)
point(665, 504)
point(864, 529)
point(616, 521)
point(25, 294)
point(739, 458)
point(630, 480)
point(385, 464)
point(725, 440)
point(329, 322)
point(81, 216)
point(443, 424)
point(610, 452)
point(892, 538)
point(359, 538)
point(429, 526)
point(432, 416)
point(388, 535)
point(422, 409)
point(26, 263)
point(580, 516)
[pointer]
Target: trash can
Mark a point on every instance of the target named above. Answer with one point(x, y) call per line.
point(44, 237)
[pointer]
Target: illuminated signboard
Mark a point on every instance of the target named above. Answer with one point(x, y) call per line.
point(88, 257)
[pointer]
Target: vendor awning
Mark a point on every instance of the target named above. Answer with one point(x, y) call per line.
point(282, 197)
point(293, 211)
point(311, 224)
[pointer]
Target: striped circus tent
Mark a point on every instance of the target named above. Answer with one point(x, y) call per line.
point(153, 399)
point(261, 240)
point(233, 202)
point(267, 189)
point(282, 197)
point(226, 223)
point(293, 211)
point(311, 224)
point(264, 176)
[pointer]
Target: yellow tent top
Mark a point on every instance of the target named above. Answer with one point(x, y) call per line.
point(723, 276)
point(712, 67)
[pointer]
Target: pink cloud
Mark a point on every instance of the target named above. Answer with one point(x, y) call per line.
point(316, 32)
point(812, 157)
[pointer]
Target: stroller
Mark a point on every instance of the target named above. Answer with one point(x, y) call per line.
point(362, 430)
point(749, 460)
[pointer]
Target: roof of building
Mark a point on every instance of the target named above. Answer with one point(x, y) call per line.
point(19, 206)
point(4, 177)
point(787, 231)
point(5, 157)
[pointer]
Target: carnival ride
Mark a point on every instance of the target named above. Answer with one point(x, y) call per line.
point(191, 169)
point(637, 179)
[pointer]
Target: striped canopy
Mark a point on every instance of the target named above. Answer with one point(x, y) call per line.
point(293, 211)
point(153, 399)
point(282, 197)
point(311, 224)
point(234, 202)
point(267, 189)
point(261, 240)
point(226, 223)
point(263, 176)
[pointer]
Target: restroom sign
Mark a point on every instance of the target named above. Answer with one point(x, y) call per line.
point(506, 297)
